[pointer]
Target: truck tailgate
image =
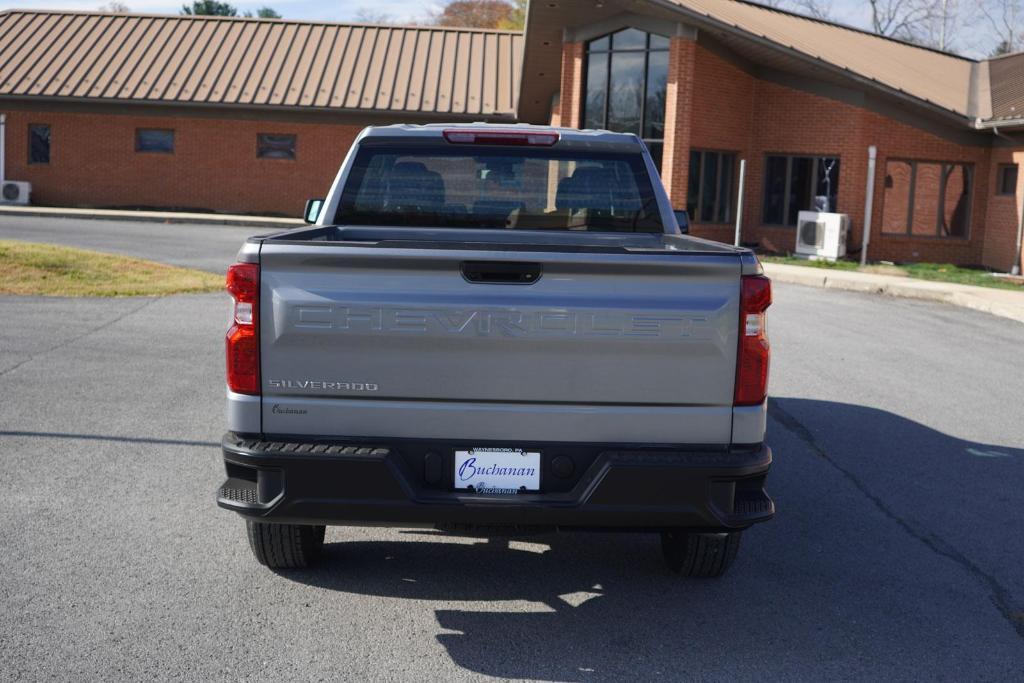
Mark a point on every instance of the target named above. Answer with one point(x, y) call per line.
point(597, 347)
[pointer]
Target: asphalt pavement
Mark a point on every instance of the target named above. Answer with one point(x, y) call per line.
point(895, 554)
point(206, 247)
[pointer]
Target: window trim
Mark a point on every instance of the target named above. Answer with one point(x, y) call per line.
point(789, 157)
point(49, 143)
point(174, 141)
point(1001, 169)
point(908, 221)
point(295, 147)
point(646, 50)
point(730, 201)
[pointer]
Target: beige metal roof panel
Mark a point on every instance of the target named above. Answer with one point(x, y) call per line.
point(278, 93)
point(937, 77)
point(109, 65)
point(229, 61)
point(435, 73)
point(301, 75)
point(372, 82)
point(47, 81)
point(204, 80)
point(402, 71)
point(421, 55)
point(1006, 80)
point(129, 61)
point(332, 67)
point(22, 62)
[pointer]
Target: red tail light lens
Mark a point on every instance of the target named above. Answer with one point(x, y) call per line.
point(462, 136)
point(242, 343)
point(754, 351)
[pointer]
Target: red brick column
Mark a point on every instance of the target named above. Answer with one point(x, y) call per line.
point(572, 85)
point(675, 164)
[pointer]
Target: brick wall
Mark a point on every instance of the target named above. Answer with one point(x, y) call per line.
point(93, 162)
point(1003, 212)
point(571, 98)
point(675, 159)
point(722, 107)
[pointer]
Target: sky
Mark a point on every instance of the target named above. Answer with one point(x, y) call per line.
point(974, 41)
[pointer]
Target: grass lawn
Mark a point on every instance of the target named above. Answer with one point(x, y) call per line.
point(51, 270)
point(941, 272)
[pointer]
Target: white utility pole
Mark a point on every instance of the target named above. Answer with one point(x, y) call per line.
point(869, 202)
point(739, 201)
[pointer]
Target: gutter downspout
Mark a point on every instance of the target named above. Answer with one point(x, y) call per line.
point(739, 202)
point(1015, 269)
point(3, 148)
point(869, 203)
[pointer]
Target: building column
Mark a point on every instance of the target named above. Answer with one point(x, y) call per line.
point(675, 162)
point(572, 85)
point(1018, 158)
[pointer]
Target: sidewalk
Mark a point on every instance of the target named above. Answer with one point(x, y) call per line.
point(153, 216)
point(1001, 302)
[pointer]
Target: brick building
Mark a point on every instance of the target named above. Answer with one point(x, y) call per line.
point(255, 116)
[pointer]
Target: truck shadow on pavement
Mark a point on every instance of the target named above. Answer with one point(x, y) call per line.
point(840, 583)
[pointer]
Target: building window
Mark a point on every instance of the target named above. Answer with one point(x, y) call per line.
point(626, 82)
point(275, 146)
point(799, 183)
point(159, 140)
point(38, 143)
point(709, 196)
point(1006, 181)
point(927, 199)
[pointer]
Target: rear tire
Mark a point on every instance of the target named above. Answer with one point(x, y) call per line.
point(699, 555)
point(285, 546)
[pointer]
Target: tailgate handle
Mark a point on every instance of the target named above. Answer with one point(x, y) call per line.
point(501, 272)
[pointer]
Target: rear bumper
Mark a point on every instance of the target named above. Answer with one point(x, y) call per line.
point(334, 481)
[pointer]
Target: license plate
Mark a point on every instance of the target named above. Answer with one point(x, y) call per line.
point(504, 471)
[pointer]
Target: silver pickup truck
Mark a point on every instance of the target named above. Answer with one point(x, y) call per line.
point(497, 330)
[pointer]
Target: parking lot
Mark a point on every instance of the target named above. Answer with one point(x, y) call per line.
point(896, 551)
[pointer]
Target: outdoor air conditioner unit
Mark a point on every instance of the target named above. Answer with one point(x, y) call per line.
point(822, 235)
point(15, 192)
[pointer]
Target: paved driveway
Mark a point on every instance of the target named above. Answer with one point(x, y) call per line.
point(896, 553)
point(206, 247)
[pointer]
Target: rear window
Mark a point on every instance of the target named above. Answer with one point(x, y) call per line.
point(502, 187)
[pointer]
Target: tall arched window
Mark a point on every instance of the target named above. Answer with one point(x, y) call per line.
point(627, 74)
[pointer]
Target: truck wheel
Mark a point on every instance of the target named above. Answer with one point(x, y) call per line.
point(285, 546)
point(699, 555)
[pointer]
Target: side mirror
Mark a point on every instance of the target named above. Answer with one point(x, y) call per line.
point(312, 211)
point(683, 219)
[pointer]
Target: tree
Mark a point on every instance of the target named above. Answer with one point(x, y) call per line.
point(115, 7)
point(366, 15)
point(265, 13)
point(1005, 17)
point(904, 19)
point(210, 8)
point(516, 19)
point(817, 9)
point(474, 13)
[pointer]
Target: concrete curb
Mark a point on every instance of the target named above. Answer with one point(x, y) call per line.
point(1002, 303)
point(166, 217)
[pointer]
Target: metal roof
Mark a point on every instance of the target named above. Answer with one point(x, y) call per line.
point(259, 63)
point(940, 78)
point(1006, 74)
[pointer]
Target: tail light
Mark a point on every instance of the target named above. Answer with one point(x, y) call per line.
point(243, 338)
point(754, 351)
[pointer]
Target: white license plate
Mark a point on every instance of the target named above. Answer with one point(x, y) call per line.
point(497, 470)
